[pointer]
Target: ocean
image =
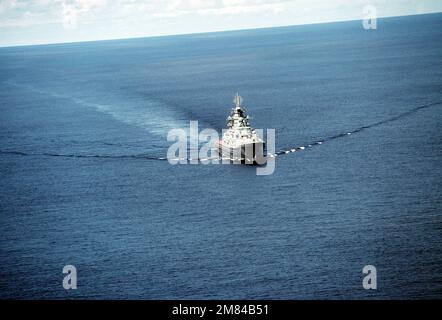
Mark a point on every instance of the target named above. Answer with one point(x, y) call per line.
point(83, 125)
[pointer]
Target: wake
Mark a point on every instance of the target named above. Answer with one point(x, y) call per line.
point(354, 131)
point(80, 156)
point(283, 151)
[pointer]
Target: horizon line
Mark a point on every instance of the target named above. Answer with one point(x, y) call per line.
point(208, 32)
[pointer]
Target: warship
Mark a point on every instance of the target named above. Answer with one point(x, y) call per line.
point(240, 142)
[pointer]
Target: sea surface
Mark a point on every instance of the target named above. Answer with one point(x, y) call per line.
point(83, 125)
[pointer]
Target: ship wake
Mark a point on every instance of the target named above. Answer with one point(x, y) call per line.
point(149, 114)
point(284, 151)
point(354, 131)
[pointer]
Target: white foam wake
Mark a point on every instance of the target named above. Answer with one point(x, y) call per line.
point(154, 116)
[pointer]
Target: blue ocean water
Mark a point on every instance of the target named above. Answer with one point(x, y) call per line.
point(75, 118)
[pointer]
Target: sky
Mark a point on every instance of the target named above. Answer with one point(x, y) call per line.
point(24, 22)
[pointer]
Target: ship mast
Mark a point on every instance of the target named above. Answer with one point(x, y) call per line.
point(237, 100)
point(238, 117)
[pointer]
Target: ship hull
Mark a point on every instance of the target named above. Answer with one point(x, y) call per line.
point(249, 153)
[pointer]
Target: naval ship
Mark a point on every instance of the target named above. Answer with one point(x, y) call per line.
point(240, 142)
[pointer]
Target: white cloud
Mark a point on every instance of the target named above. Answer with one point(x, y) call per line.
point(9, 5)
point(73, 10)
point(31, 21)
point(244, 9)
point(219, 7)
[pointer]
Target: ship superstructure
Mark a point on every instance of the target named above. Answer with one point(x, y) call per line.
point(240, 140)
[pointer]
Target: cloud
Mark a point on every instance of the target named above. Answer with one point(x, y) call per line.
point(73, 10)
point(71, 14)
point(43, 21)
point(276, 7)
point(10, 5)
point(220, 7)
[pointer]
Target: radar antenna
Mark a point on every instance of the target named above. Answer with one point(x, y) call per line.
point(237, 100)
